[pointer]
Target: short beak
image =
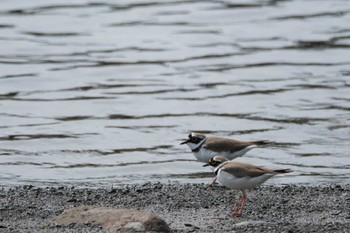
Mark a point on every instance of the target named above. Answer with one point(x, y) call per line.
point(206, 165)
point(184, 142)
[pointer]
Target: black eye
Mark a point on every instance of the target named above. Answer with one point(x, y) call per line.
point(195, 140)
point(213, 162)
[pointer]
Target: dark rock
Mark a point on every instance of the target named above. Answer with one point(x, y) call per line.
point(192, 226)
point(72, 200)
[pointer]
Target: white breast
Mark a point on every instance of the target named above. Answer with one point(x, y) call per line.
point(233, 182)
point(204, 155)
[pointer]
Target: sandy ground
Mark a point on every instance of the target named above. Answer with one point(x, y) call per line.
point(185, 207)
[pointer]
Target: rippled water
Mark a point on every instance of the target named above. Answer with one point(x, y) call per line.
point(98, 93)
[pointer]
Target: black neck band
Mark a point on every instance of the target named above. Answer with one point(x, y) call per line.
point(197, 149)
point(200, 146)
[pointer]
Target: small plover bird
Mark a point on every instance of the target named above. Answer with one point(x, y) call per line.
point(205, 148)
point(241, 176)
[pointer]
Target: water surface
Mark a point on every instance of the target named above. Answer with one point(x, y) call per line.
point(100, 93)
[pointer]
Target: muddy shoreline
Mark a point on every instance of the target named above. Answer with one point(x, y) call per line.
point(185, 207)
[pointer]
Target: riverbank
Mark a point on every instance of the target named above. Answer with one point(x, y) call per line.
point(185, 207)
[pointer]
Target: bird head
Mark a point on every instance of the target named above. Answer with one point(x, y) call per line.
point(216, 161)
point(194, 139)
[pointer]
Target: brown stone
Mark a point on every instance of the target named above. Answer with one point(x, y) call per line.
point(121, 220)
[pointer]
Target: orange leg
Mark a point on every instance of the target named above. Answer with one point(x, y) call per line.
point(237, 211)
point(244, 199)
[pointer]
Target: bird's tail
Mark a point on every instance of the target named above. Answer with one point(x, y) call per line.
point(263, 142)
point(287, 170)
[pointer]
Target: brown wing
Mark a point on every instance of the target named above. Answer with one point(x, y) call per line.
point(243, 169)
point(223, 145)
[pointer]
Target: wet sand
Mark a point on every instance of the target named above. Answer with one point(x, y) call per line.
point(185, 207)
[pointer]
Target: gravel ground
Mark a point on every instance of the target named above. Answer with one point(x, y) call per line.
point(185, 207)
